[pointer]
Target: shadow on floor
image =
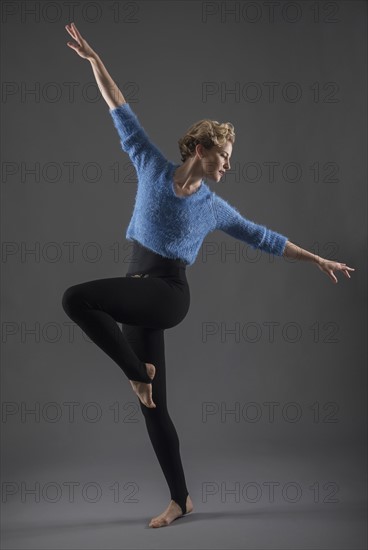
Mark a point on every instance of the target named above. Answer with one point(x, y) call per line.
point(347, 511)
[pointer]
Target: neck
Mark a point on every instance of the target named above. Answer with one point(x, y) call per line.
point(188, 175)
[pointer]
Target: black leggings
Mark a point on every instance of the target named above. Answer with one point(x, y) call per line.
point(153, 296)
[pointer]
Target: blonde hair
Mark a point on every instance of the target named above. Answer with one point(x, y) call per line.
point(208, 133)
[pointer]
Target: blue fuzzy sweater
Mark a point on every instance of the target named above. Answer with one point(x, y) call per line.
point(174, 226)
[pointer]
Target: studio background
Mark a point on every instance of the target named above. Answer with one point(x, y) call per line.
point(266, 375)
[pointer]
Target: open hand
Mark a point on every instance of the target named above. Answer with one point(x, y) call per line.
point(82, 47)
point(328, 267)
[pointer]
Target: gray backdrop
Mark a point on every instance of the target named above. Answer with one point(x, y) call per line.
point(267, 373)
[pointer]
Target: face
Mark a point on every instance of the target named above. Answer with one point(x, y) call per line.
point(216, 161)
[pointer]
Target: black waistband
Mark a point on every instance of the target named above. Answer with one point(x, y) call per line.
point(145, 261)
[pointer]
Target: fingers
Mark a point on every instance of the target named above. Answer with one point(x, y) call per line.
point(331, 274)
point(73, 46)
point(77, 32)
point(344, 268)
point(72, 30)
point(330, 267)
point(347, 267)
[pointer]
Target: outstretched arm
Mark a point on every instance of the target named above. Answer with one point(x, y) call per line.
point(109, 90)
point(326, 266)
point(229, 219)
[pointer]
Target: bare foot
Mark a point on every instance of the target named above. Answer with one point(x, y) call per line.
point(173, 511)
point(143, 390)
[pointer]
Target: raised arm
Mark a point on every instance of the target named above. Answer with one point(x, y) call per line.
point(133, 138)
point(109, 90)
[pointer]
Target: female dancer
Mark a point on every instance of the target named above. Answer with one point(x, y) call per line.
point(173, 212)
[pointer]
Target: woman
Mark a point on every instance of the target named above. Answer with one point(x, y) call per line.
point(173, 212)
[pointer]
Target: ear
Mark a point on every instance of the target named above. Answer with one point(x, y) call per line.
point(199, 150)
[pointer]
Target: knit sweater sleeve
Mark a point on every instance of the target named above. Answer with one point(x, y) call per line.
point(135, 141)
point(229, 220)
